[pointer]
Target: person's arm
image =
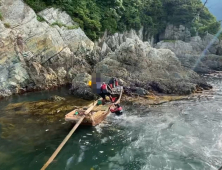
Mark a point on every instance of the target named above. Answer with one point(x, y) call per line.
point(109, 88)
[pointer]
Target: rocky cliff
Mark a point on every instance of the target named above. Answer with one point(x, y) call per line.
point(38, 55)
point(202, 54)
point(48, 50)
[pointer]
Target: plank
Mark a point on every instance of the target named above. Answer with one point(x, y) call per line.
point(67, 138)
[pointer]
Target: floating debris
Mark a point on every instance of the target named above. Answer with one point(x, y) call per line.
point(47, 130)
point(88, 134)
point(101, 151)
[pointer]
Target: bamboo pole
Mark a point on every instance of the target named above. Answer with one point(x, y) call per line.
point(66, 138)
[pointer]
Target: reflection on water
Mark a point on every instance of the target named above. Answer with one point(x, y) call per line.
point(184, 135)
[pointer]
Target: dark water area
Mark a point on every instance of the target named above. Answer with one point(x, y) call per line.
point(180, 135)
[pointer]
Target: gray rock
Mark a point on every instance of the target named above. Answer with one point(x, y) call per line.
point(137, 63)
point(199, 54)
point(80, 87)
point(47, 52)
point(176, 33)
point(52, 15)
point(139, 91)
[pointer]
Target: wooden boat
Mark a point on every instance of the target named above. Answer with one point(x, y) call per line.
point(98, 113)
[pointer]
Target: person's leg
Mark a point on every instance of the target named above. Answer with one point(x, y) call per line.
point(110, 97)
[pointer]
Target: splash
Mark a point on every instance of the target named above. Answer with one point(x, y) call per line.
point(207, 48)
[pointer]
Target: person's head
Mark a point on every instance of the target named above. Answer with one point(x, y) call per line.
point(103, 83)
point(117, 105)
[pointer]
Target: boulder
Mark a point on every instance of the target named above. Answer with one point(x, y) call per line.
point(80, 87)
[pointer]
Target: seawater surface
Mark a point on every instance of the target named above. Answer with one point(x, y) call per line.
point(179, 135)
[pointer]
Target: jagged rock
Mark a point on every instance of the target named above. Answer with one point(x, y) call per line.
point(211, 41)
point(53, 55)
point(178, 47)
point(139, 64)
point(198, 54)
point(43, 77)
point(61, 74)
point(139, 90)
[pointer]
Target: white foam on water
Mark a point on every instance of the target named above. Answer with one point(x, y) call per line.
point(98, 128)
point(81, 156)
point(82, 153)
point(69, 162)
point(104, 140)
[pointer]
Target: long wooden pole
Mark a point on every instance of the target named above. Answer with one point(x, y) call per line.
point(67, 138)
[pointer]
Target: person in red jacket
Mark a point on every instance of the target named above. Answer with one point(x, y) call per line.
point(117, 110)
point(106, 91)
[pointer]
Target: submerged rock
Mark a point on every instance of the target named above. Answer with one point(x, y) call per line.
point(26, 117)
point(45, 107)
point(56, 98)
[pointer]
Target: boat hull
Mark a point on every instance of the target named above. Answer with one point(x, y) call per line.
point(96, 116)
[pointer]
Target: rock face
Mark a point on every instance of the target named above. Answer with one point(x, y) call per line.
point(38, 55)
point(140, 65)
point(175, 33)
point(198, 54)
point(52, 16)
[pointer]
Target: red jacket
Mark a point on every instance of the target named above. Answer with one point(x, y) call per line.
point(104, 87)
point(116, 109)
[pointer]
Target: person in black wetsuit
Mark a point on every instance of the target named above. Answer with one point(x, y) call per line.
point(117, 110)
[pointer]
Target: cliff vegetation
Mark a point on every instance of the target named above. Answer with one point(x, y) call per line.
point(96, 16)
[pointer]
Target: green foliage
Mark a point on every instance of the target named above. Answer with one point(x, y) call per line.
point(72, 27)
point(7, 25)
point(183, 12)
point(97, 16)
point(58, 23)
point(37, 5)
point(40, 18)
point(63, 25)
point(1, 17)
